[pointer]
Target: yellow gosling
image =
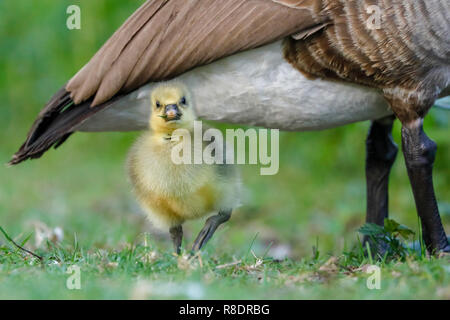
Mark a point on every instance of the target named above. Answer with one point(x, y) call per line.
point(173, 193)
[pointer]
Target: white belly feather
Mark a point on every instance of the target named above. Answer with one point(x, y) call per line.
point(256, 87)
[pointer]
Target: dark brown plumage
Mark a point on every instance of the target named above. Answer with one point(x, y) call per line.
point(408, 56)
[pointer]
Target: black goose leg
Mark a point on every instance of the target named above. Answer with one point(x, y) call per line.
point(176, 234)
point(381, 152)
point(419, 152)
point(210, 227)
point(380, 156)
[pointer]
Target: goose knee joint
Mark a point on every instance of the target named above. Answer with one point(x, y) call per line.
point(418, 149)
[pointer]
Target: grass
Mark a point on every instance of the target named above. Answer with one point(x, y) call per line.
point(141, 271)
point(297, 220)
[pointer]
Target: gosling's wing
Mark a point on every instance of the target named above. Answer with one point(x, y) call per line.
point(162, 39)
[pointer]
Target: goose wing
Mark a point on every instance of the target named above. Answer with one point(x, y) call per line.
point(161, 40)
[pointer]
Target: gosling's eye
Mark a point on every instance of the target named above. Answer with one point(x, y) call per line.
point(158, 105)
point(183, 100)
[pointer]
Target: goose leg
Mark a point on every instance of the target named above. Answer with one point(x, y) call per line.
point(210, 227)
point(176, 234)
point(419, 152)
point(381, 152)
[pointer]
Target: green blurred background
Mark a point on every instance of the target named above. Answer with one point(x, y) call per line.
point(318, 196)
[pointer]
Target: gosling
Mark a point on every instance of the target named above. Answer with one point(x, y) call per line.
point(172, 193)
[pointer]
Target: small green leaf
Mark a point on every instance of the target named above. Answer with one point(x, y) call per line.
point(390, 225)
point(371, 229)
point(394, 228)
point(405, 232)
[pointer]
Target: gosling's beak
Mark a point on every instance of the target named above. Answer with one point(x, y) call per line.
point(172, 113)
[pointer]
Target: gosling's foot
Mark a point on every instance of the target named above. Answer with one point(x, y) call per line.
point(176, 234)
point(211, 225)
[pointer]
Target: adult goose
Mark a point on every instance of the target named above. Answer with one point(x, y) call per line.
point(231, 55)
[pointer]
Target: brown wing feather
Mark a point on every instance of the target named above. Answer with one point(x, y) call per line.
point(55, 127)
point(165, 38)
point(161, 40)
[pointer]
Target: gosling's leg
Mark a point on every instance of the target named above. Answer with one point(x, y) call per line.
point(210, 227)
point(381, 152)
point(176, 234)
